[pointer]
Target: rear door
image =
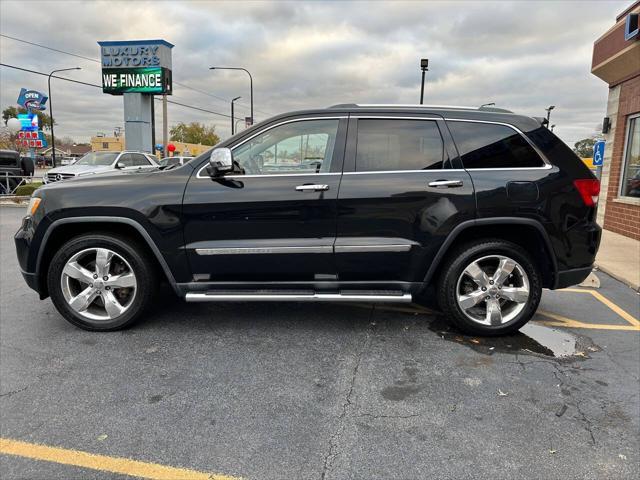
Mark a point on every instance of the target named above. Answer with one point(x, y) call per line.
point(401, 194)
point(275, 221)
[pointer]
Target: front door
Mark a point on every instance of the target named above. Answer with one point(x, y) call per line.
point(399, 198)
point(276, 220)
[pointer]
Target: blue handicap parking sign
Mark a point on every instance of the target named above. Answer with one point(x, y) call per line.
point(598, 154)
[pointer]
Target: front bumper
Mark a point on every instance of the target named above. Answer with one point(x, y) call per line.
point(22, 240)
point(31, 279)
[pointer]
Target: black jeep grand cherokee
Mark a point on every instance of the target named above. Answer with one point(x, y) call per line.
point(479, 208)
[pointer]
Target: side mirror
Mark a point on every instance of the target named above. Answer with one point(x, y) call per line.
point(220, 162)
point(120, 165)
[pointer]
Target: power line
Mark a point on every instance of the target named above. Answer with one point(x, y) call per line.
point(49, 48)
point(95, 60)
point(100, 87)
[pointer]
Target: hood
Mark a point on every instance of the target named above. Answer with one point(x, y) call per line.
point(101, 177)
point(80, 169)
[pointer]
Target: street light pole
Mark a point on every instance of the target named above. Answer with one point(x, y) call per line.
point(53, 140)
point(548, 110)
point(424, 64)
point(232, 116)
point(250, 83)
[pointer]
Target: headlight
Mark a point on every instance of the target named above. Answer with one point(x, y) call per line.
point(45, 179)
point(34, 203)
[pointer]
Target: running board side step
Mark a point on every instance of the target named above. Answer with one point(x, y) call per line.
point(400, 297)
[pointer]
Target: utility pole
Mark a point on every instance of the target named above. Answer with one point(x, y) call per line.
point(250, 84)
point(233, 124)
point(424, 64)
point(53, 138)
point(548, 110)
point(165, 127)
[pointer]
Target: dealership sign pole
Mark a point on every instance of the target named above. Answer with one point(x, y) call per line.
point(137, 70)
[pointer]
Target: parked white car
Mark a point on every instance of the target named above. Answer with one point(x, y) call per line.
point(99, 162)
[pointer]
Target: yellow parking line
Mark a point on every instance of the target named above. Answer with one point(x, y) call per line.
point(616, 308)
point(628, 317)
point(569, 322)
point(103, 463)
point(558, 320)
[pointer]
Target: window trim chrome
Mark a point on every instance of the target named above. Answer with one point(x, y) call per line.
point(547, 164)
point(299, 119)
point(372, 172)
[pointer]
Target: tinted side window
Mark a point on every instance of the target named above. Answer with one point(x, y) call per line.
point(126, 159)
point(139, 160)
point(305, 146)
point(485, 145)
point(396, 144)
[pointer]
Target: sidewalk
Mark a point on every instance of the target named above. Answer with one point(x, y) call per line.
point(619, 256)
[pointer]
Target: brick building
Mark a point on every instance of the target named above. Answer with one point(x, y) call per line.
point(616, 60)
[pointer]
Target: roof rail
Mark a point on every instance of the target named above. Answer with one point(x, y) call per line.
point(431, 107)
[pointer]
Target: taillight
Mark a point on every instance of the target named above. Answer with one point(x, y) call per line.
point(589, 190)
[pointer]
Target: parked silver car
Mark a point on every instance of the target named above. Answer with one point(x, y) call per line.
point(99, 162)
point(172, 161)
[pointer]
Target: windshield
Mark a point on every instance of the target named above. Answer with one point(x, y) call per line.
point(98, 158)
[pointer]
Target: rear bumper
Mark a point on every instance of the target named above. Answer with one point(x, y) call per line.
point(566, 278)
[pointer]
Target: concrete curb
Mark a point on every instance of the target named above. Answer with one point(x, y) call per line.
point(15, 201)
point(619, 277)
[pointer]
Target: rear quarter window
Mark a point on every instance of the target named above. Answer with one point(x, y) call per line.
point(487, 145)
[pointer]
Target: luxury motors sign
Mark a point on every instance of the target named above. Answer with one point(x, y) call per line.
point(136, 66)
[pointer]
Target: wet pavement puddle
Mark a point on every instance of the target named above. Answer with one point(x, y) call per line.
point(531, 339)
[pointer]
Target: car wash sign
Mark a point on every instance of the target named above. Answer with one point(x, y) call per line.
point(137, 66)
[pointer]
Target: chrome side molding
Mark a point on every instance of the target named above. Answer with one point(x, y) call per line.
point(372, 248)
point(264, 250)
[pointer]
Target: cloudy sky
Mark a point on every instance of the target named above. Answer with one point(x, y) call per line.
point(522, 55)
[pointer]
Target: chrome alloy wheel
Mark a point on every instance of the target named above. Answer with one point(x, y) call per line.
point(98, 284)
point(492, 290)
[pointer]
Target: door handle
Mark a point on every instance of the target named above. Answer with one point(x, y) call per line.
point(312, 188)
point(446, 183)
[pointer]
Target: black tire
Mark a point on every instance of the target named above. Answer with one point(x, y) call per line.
point(456, 264)
point(128, 249)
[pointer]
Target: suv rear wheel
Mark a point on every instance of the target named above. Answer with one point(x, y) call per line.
point(491, 287)
point(101, 281)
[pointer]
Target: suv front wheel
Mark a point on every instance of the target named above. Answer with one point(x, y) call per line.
point(101, 281)
point(491, 287)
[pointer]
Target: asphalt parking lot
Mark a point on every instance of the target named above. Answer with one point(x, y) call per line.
point(317, 391)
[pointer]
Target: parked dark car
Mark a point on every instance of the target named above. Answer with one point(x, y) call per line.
point(12, 168)
point(477, 208)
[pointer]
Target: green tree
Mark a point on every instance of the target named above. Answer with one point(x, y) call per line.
point(44, 121)
point(584, 147)
point(194, 132)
